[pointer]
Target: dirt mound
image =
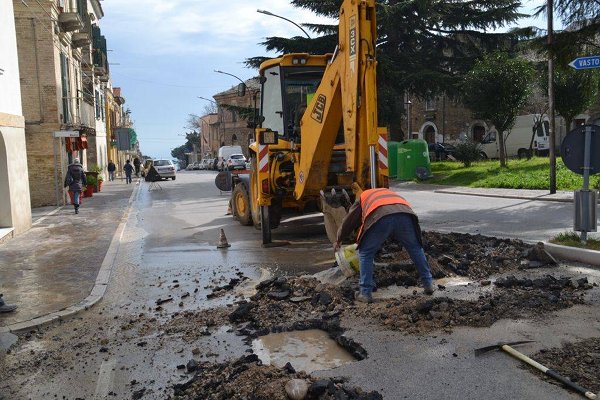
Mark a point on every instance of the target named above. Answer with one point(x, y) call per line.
point(248, 378)
point(578, 361)
point(415, 314)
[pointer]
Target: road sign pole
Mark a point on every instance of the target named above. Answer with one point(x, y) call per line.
point(586, 180)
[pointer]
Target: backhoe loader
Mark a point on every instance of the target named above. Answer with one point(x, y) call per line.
point(317, 142)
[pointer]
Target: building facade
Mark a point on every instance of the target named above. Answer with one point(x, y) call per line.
point(59, 67)
point(233, 126)
point(15, 209)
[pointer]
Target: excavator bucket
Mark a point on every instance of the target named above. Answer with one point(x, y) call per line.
point(334, 206)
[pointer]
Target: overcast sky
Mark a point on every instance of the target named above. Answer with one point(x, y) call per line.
point(163, 54)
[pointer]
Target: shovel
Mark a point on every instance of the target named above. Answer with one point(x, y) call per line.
point(506, 347)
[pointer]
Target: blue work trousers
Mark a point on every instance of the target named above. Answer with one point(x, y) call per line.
point(401, 228)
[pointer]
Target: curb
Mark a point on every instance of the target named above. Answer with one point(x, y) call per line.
point(591, 257)
point(505, 196)
point(100, 285)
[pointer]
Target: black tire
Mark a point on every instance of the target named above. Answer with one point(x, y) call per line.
point(482, 156)
point(173, 178)
point(240, 201)
point(522, 153)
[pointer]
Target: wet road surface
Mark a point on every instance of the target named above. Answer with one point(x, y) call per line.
point(168, 252)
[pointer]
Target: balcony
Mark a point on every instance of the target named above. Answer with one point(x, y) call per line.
point(81, 39)
point(70, 21)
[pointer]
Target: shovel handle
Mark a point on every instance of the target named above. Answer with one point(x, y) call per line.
point(551, 373)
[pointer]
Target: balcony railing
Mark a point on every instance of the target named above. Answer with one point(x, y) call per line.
point(70, 21)
point(80, 114)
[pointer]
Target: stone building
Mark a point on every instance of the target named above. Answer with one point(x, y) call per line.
point(233, 128)
point(15, 209)
point(60, 69)
point(210, 135)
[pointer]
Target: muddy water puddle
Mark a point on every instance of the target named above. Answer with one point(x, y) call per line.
point(309, 350)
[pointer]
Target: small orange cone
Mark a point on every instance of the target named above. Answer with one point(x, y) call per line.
point(223, 241)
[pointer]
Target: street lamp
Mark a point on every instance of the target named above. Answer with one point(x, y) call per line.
point(288, 20)
point(408, 104)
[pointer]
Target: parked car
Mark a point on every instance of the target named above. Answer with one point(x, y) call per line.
point(210, 164)
point(441, 151)
point(165, 168)
point(204, 164)
point(189, 167)
point(236, 161)
point(224, 153)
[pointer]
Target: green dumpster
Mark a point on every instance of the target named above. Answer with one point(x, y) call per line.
point(393, 159)
point(412, 154)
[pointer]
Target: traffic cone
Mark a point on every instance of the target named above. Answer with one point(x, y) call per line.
point(223, 241)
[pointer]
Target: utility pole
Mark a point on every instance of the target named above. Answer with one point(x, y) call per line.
point(551, 152)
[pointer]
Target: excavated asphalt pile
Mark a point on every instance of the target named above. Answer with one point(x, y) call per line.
point(247, 378)
point(578, 361)
point(300, 303)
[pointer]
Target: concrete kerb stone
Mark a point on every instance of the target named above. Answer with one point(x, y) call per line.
point(505, 196)
point(586, 256)
point(100, 285)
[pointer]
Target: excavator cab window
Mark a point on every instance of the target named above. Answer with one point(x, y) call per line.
point(286, 93)
point(300, 84)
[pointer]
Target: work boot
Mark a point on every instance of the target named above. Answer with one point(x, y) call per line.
point(363, 298)
point(4, 308)
point(428, 290)
point(76, 208)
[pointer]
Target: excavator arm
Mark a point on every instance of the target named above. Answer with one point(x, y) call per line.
point(347, 97)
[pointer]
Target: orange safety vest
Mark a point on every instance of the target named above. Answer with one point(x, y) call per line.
point(372, 199)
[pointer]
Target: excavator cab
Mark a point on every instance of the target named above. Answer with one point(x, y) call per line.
point(317, 140)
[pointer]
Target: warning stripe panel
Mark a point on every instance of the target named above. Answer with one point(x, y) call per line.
point(263, 158)
point(383, 152)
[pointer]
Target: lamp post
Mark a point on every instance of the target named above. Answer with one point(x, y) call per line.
point(288, 20)
point(408, 104)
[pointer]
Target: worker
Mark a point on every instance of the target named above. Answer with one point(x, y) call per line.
point(380, 214)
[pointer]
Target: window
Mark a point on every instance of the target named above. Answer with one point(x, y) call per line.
point(430, 104)
point(66, 89)
point(97, 95)
point(233, 116)
point(162, 163)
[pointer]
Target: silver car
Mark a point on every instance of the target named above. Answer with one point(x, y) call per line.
point(165, 168)
point(236, 161)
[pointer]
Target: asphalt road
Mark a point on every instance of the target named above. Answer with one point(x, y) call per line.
point(169, 249)
point(522, 219)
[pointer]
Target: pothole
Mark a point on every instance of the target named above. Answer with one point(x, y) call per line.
point(309, 350)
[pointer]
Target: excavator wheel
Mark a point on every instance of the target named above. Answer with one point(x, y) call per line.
point(241, 204)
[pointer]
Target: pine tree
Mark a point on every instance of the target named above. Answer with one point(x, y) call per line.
point(424, 47)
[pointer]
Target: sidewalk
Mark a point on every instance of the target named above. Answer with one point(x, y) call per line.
point(523, 194)
point(55, 264)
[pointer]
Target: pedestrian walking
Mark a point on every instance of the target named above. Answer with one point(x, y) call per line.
point(4, 308)
point(128, 171)
point(75, 180)
point(380, 214)
point(136, 164)
point(111, 170)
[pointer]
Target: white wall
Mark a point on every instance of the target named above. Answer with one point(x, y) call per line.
point(10, 88)
point(15, 203)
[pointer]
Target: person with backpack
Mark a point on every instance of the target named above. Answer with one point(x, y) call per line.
point(75, 180)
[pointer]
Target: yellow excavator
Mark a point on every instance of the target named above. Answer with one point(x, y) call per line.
point(317, 142)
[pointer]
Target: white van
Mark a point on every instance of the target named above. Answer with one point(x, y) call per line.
point(519, 139)
point(224, 153)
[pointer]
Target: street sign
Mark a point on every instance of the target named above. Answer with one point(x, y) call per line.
point(586, 62)
point(70, 134)
point(573, 150)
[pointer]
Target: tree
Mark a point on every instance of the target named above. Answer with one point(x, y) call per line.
point(496, 89)
point(574, 92)
point(424, 47)
point(192, 139)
